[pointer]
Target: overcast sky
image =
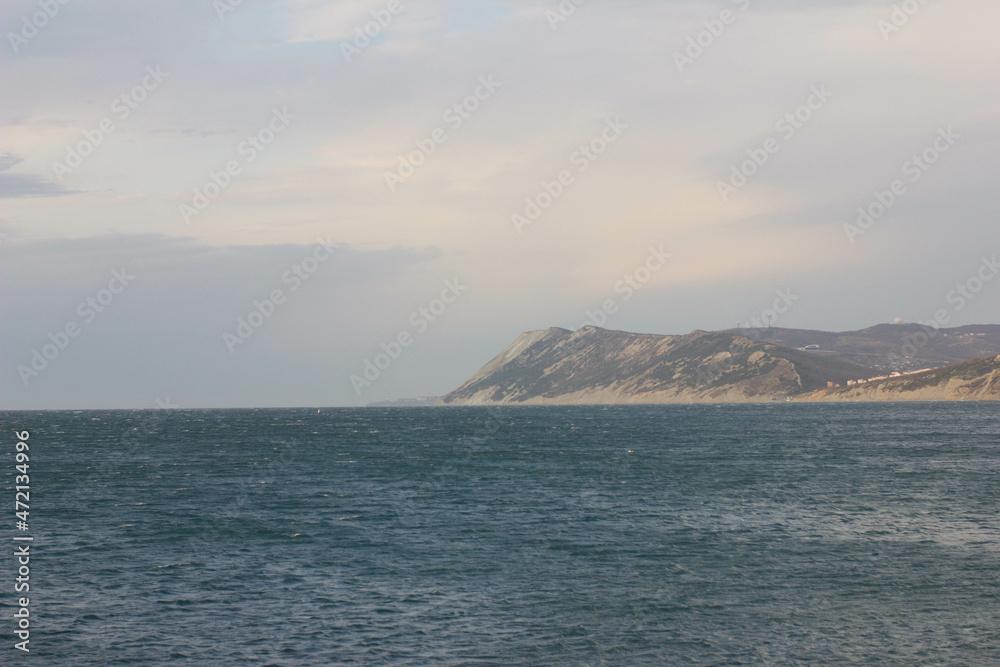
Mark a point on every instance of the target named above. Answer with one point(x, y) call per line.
point(115, 114)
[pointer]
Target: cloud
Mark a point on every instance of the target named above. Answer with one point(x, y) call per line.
point(164, 333)
point(25, 185)
point(29, 185)
point(8, 160)
point(355, 121)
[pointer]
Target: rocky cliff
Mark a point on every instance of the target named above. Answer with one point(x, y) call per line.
point(595, 365)
point(598, 366)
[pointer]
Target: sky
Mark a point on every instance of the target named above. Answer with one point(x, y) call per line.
point(303, 203)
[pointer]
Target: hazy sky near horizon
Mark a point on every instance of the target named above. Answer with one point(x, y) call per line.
point(332, 116)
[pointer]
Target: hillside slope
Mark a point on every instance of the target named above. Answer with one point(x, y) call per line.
point(976, 380)
point(594, 365)
point(890, 347)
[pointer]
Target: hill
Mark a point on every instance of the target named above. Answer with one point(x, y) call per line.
point(598, 366)
point(890, 347)
point(594, 365)
point(976, 380)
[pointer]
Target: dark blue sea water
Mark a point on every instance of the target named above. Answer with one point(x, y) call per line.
point(678, 535)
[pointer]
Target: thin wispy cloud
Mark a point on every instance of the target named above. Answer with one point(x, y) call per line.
point(376, 87)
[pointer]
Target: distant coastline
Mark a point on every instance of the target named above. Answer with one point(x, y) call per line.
point(418, 402)
point(594, 366)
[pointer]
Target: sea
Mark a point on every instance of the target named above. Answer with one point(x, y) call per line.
point(774, 534)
